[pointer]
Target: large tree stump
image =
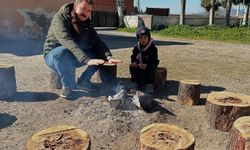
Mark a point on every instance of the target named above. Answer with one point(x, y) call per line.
point(240, 134)
point(223, 108)
point(189, 92)
point(160, 77)
point(8, 87)
point(59, 137)
point(165, 137)
point(55, 79)
point(107, 73)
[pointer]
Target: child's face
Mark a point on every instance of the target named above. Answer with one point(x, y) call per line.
point(143, 40)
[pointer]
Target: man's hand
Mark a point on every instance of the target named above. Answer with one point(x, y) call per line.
point(114, 61)
point(92, 62)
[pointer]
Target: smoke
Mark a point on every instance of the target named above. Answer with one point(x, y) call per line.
point(125, 100)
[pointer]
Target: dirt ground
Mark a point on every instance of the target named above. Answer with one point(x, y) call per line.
point(219, 66)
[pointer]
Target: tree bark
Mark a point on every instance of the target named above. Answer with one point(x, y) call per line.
point(246, 14)
point(55, 79)
point(189, 92)
point(160, 136)
point(107, 73)
point(8, 87)
point(182, 14)
point(211, 16)
point(240, 134)
point(228, 12)
point(160, 78)
point(223, 108)
point(59, 137)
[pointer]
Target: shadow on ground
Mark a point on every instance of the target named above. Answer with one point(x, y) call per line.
point(35, 47)
point(32, 97)
point(105, 89)
point(6, 120)
point(172, 87)
point(22, 47)
point(118, 42)
point(157, 106)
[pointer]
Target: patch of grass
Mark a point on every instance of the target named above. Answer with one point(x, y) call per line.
point(130, 30)
point(218, 33)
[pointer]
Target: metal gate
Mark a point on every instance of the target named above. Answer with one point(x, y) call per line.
point(105, 15)
point(105, 19)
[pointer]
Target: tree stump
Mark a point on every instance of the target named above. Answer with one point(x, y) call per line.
point(240, 134)
point(160, 77)
point(8, 87)
point(223, 108)
point(189, 92)
point(165, 137)
point(59, 137)
point(107, 73)
point(55, 79)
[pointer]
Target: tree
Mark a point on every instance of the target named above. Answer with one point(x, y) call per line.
point(246, 14)
point(183, 9)
point(207, 5)
point(228, 5)
point(246, 5)
point(212, 9)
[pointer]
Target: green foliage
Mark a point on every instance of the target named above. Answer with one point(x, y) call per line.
point(131, 30)
point(207, 4)
point(217, 33)
point(238, 35)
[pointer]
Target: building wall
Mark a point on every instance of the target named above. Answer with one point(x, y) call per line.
point(151, 21)
point(31, 18)
point(26, 18)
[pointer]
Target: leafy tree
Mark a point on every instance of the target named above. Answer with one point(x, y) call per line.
point(207, 5)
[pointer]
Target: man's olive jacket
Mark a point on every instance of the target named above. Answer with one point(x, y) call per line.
point(62, 33)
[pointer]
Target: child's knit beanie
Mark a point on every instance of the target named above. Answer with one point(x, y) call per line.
point(143, 31)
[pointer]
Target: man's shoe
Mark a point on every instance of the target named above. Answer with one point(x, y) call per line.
point(66, 93)
point(87, 86)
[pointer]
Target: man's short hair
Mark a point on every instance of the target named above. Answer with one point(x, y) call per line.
point(91, 2)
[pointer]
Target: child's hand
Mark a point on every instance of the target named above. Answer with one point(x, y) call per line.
point(142, 66)
point(134, 65)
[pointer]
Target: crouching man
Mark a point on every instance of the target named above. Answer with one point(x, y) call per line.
point(72, 42)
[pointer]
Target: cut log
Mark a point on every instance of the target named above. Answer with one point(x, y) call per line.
point(159, 136)
point(160, 77)
point(189, 92)
point(223, 108)
point(55, 79)
point(240, 134)
point(8, 87)
point(59, 137)
point(107, 73)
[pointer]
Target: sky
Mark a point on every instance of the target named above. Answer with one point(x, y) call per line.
point(192, 6)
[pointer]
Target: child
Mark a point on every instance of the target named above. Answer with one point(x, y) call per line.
point(144, 60)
